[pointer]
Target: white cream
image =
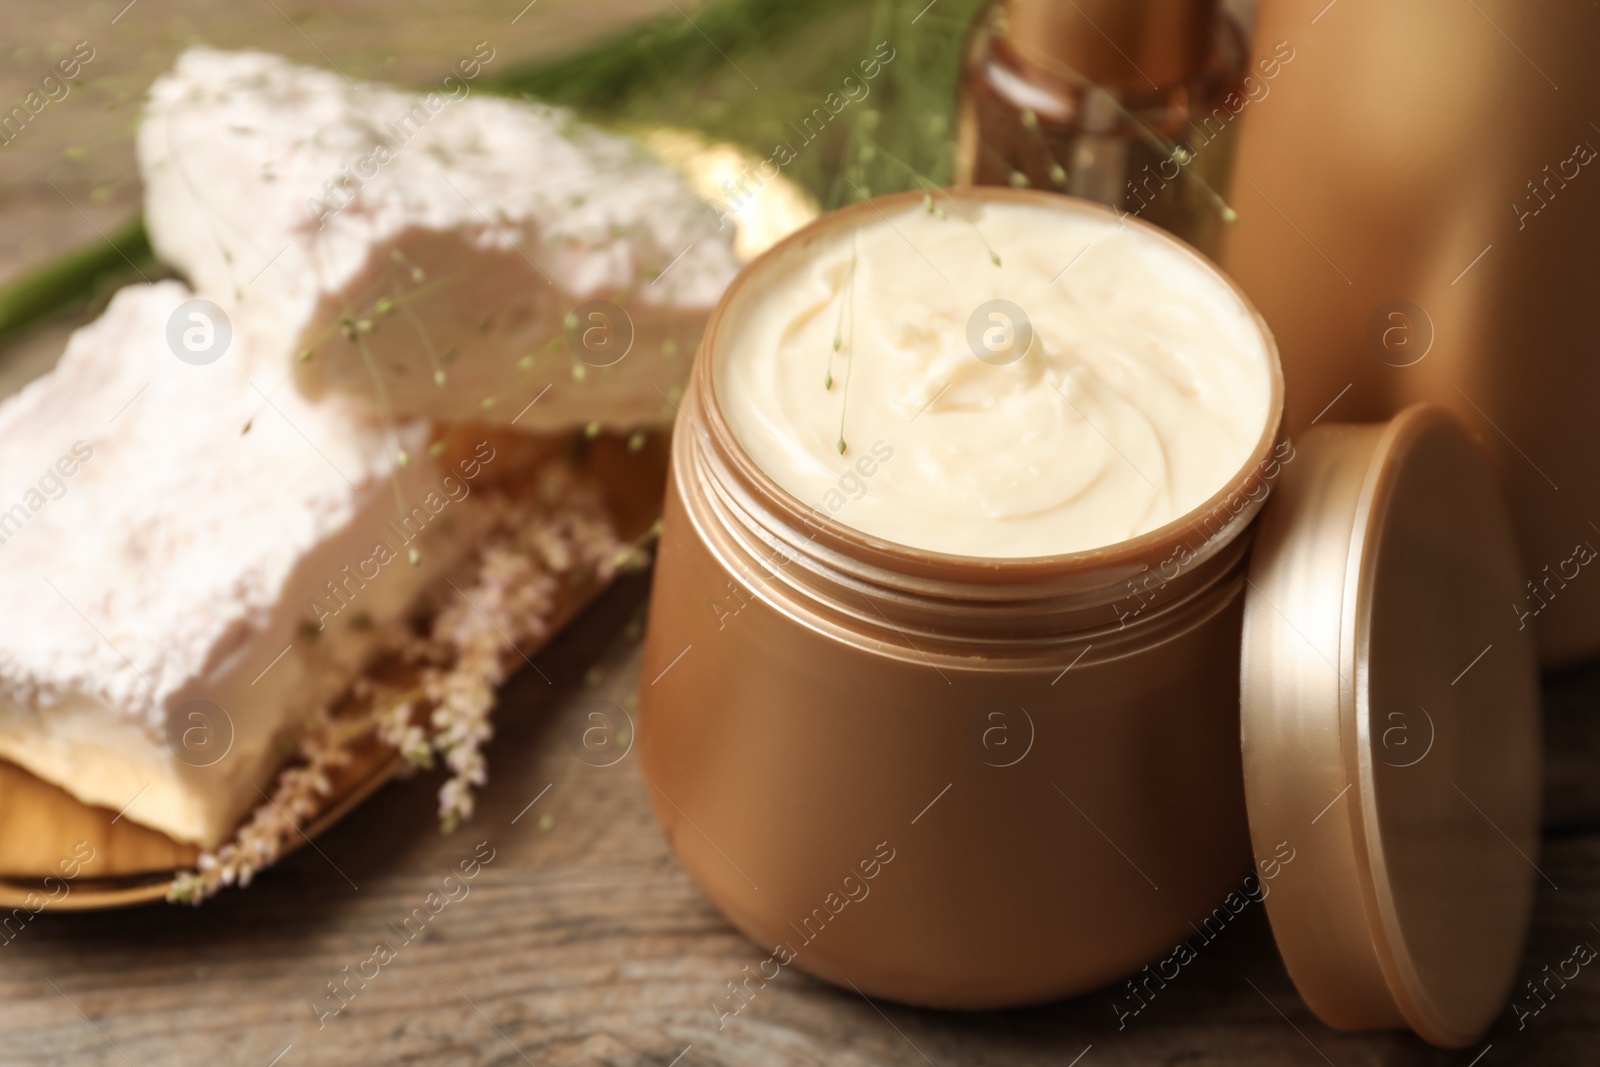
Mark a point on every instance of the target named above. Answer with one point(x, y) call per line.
point(1146, 386)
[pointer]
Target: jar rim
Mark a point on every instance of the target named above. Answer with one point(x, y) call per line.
point(1236, 500)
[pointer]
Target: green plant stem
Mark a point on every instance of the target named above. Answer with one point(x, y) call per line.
point(91, 268)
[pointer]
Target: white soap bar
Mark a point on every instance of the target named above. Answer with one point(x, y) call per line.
point(435, 253)
point(154, 551)
point(1142, 392)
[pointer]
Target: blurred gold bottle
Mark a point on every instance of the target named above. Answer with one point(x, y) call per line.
point(1419, 219)
point(1128, 102)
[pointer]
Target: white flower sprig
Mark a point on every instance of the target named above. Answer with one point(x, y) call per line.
point(539, 553)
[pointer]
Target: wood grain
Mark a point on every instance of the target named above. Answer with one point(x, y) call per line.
point(584, 942)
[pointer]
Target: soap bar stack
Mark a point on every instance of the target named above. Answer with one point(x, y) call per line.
point(207, 466)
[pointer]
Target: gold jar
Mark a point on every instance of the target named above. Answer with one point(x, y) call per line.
point(976, 783)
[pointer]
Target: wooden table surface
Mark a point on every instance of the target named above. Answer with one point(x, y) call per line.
point(582, 941)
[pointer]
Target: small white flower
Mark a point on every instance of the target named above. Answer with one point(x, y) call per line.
point(472, 646)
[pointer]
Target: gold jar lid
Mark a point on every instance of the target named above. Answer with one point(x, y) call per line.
point(1390, 728)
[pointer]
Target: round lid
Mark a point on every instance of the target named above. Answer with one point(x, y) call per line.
point(1390, 728)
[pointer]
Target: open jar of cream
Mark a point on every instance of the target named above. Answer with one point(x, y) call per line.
point(942, 689)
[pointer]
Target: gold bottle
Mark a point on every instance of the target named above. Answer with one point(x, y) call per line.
point(1419, 219)
point(1130, 104)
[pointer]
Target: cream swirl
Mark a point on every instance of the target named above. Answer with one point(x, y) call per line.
point(1142, 391)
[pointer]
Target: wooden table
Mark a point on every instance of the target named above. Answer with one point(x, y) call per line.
point(584, 942)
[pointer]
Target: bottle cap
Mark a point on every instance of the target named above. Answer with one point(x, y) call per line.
point(1114, 43)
